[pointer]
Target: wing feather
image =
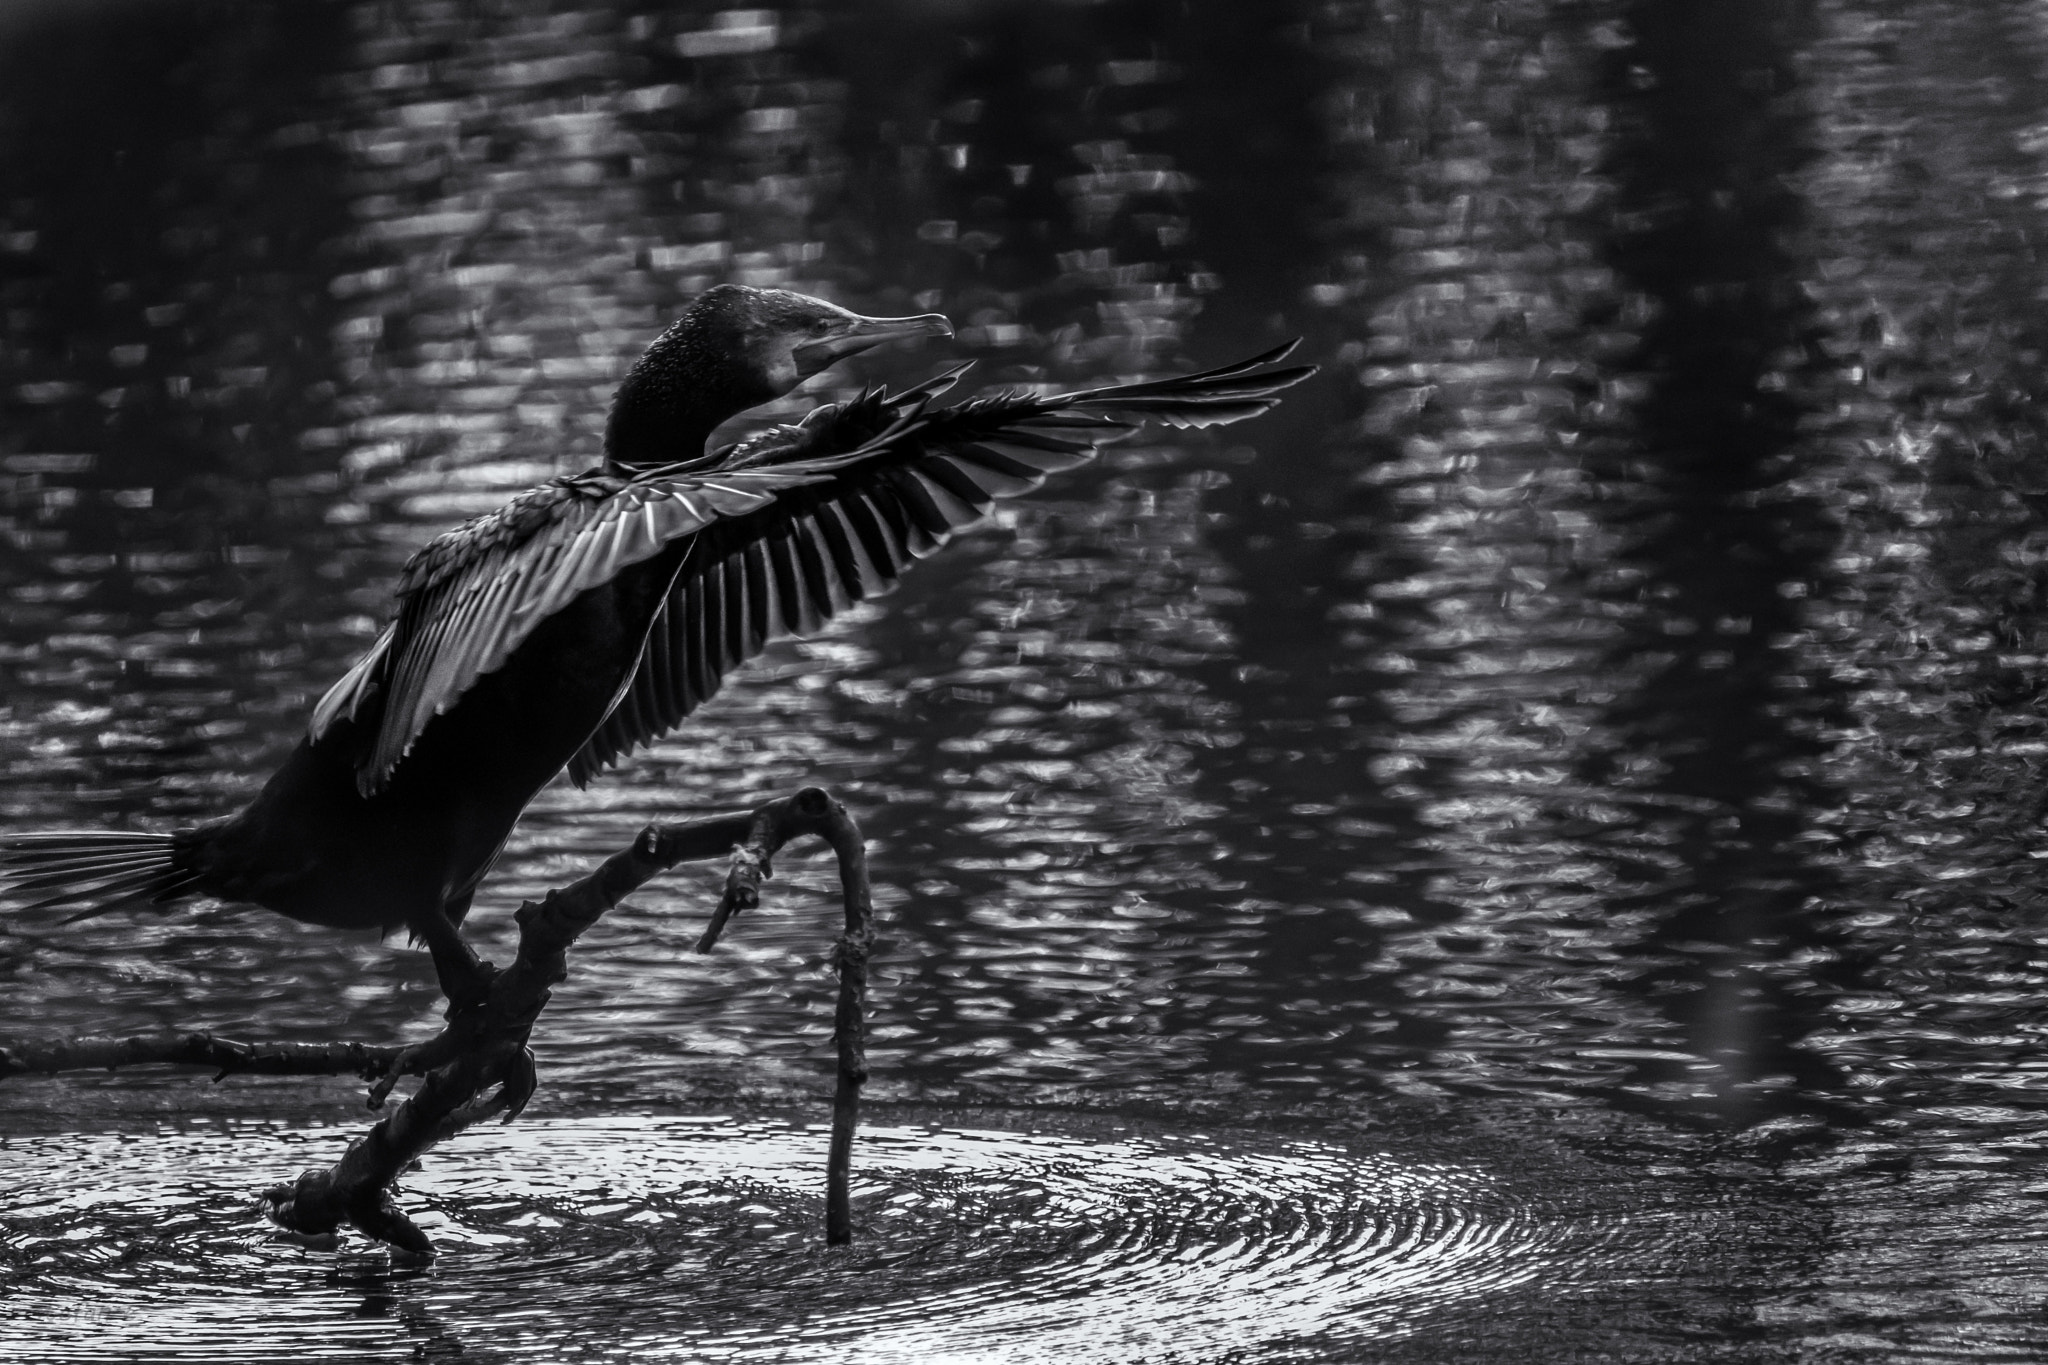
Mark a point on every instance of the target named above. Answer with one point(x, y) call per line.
point(712, 629)
point(662, 674)
point(877, 516)
point(761, 607)
point(926, 520)
point(735, 651)
point(799, 613)
point(822, 585)
point(701, 673)
point(944, 475)
point(993, 475)
point(854, 573)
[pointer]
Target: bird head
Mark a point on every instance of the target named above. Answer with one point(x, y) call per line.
point(791, 336)
point(736, 348)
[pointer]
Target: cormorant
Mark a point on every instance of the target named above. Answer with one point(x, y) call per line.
point(590, 615)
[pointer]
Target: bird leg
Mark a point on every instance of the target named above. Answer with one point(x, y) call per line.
point(465, 978)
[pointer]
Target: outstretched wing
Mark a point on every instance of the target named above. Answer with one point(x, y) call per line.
point(470, 598)
point(873, 501)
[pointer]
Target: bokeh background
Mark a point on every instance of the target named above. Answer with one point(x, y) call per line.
point(1590, 735)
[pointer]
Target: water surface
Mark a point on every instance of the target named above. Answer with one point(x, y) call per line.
point(695, 1239)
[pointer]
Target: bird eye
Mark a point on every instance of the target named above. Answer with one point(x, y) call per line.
point(820, 326)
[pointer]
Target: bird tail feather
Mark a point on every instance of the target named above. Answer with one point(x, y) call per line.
point(97, 871)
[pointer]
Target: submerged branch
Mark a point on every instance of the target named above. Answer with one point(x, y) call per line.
point(850, 1024)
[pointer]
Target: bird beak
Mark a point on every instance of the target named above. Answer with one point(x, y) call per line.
point(856, 334)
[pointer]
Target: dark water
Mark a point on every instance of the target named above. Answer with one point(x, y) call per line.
point(1530, 850)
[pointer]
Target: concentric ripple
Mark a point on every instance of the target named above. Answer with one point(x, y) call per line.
point(700, 1239)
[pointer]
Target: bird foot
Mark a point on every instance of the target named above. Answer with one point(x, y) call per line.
point(469, 1016)
point(406, 1063)
point(521, 1080)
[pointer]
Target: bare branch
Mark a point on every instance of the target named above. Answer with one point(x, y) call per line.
point(486, 1046)
point(197, 1049)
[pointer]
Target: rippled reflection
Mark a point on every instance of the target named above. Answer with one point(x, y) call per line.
point(976, 1244)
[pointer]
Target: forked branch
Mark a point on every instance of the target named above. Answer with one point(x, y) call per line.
point(479, 1065)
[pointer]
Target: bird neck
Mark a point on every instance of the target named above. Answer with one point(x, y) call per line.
point(689, 381)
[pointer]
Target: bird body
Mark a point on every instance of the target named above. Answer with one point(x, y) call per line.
point(438, 821)
point(590, 615)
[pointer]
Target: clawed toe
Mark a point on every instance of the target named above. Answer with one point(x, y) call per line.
point(521, 1080)
point(469, 995)
point(399, 1066)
